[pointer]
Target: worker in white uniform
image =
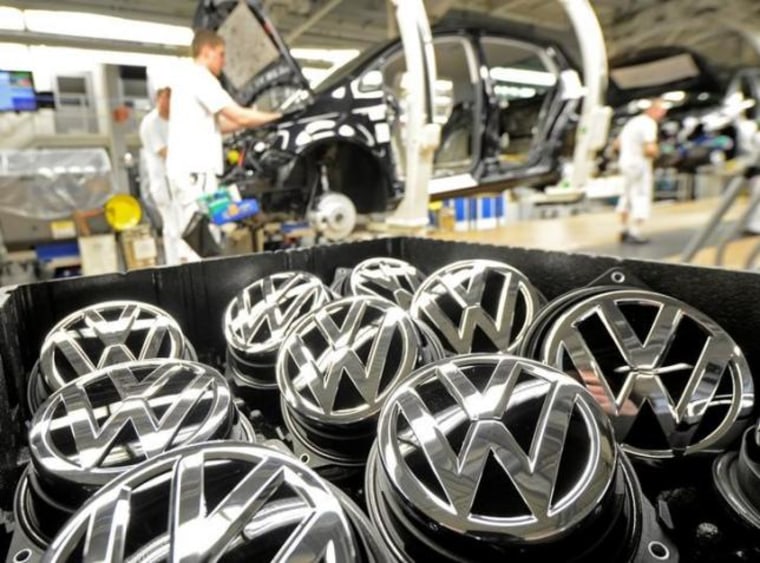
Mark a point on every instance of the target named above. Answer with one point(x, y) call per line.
point(638, 147)
point(154, 136)
point(201, 111)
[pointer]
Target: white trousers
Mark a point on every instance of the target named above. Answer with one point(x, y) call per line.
point(638, 188)
point(176, 214)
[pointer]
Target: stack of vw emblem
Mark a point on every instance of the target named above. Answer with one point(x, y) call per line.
point(490, 457)
point(470, 419)
point(477, 306)
point(218, 501)
point(335, 370)
point(255, 324)
point(389, 278)
point(103, 335)
point(673, 382)
point(102, 424)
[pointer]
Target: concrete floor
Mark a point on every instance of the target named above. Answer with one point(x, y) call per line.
point(670, 229)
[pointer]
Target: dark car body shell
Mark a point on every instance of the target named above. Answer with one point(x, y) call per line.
point(346, 127)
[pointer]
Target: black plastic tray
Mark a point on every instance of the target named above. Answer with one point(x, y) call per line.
point(196, 295)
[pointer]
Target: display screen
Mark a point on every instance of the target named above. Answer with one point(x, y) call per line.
point(17, 91)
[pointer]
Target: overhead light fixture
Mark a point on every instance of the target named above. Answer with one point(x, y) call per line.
point(674, 97)
point(11, 19)
point(523, 76)
point(94, 26)
point(515, 92)
point(444, 85)
point(70, 57)
point(333, 56)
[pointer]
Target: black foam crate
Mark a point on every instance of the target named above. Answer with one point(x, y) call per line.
point(197, 294)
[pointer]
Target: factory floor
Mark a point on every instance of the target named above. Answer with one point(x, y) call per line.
point(671, 227)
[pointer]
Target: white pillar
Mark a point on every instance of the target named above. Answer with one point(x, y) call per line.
point(423, 136)
point(117, 141)
point(593, 127)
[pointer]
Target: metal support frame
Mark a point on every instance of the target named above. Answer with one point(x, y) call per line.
point(423, 135)
point(734, 189)
point(741, 224)
point(732, 192)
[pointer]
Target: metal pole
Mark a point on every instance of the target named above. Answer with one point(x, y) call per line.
point(732, 192)
point(754, 201)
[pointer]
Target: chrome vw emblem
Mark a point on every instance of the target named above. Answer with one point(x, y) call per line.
point(648, 358)
point(97, 426)
point(475, 444)
point(106, 334)
point(257, 319)
point(477, 306)
point(388, 278)
point(201, 503)
point(339, 363)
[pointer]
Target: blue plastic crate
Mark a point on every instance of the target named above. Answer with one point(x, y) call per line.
point(53, 250)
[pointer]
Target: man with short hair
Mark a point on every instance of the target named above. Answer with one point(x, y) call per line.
point(201, 112)
point(638, 148)
point(154, 134)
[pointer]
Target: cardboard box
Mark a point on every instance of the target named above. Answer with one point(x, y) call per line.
point(447, 220)
point(239, 241)
point(99, 254)
point(139, 247)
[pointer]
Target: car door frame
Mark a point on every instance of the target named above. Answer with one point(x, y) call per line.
point(550, 116)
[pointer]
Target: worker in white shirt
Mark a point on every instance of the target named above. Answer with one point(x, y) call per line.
point(201, 111)
point(154, 136)
point(638, 147)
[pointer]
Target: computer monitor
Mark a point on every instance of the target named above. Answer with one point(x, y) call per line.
point(17, 91)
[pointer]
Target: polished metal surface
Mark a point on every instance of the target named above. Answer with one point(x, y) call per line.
point(106, 334)
point(367, 343)
point(256, 321)
point(100, 425)
point(649, 358)
point(477, 306)
point(440, 429)
point(737, 478)
point(205, 502)
point(389, 278)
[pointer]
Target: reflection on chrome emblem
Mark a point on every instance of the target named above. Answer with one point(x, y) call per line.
point(647, 355)
point(439, 430)
point(257, 319)
point(93, 428)
point(203, 502)
point(107, 334)
point(477, 306)
point(388, 278)
point(367, 343)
